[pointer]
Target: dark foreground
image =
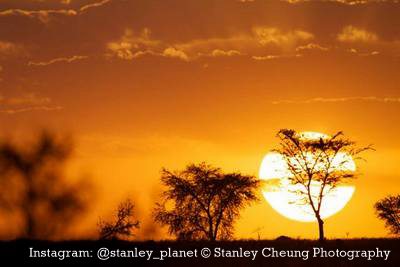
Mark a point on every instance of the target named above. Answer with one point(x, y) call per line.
point(207, 254)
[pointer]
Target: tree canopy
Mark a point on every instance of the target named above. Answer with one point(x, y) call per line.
point(32, 186)
point(317, 165)
point(202, 202)
point(388, 210)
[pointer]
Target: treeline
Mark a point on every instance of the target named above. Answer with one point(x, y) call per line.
point(201, 202)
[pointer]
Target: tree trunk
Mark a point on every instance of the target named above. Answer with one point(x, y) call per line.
point(30, 229)
point(210, 229)
point(321, 229)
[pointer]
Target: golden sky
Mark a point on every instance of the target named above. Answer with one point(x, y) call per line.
point(150, 84)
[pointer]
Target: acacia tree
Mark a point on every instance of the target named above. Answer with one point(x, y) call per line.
point(317, 166)
point(33, 187)
point(388, 209)
point(122, 226)
point(202, 202)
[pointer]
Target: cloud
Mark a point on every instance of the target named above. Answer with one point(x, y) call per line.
point(93, 5)
point(226, 53)
point(340, 99)
point(25, 99)
point(143, 53)
point(39, 108)
point(205, 46)
point(311, 46)
point(351, 34)
point(260, 34)
point(175, 53)
point(269, 57)
point(26, 102)
point(44, 15)
point(130, 46)
point(56, 60)
point(9, 49)
point(363, 54)
point(259, 40)
point(345, 2)
point(267, 36)
point(258, 43)
point(171, 52)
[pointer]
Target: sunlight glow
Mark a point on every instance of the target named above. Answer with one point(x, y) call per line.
point(280, 194)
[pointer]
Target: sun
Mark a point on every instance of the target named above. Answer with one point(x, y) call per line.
point(279, 193)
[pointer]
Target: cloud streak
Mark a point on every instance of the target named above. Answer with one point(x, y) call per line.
point(39, 108)
point(25, 103)
point(339, 100)
point(44, 15)
point(311, 46)
point(271, 57)
point(353, 34)
point(345, 2)
point(260, 39)
point(57, 60)
point(25, 99)
point(131, 45)
point(93, 5)
point(270, 35)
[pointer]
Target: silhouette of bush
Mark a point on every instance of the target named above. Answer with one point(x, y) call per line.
point(388, 209)
point(123, 225)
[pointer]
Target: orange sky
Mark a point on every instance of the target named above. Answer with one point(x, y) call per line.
point(150, 84)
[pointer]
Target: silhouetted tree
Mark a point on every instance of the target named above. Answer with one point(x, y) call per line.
point(33, 186)
point(388, 209)
point(123, 225)
point(317, 165)
point(202, 202)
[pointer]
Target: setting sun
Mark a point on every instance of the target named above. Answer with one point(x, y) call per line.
point(281, 194)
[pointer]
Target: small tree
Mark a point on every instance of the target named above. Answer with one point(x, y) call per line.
point(202, 202)
point(123, 225)
point(317, 165)
point(388, 209)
